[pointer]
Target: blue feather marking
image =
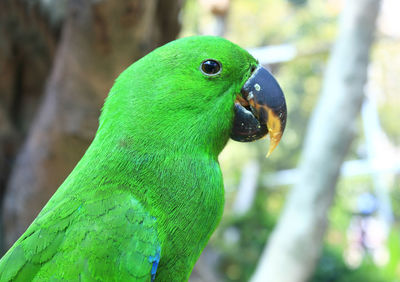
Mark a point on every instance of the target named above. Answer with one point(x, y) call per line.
point(155, 260)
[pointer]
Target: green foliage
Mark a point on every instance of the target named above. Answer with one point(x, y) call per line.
point(331, 268)
point(395, 197)
point(386, 67)
point(239, 259)
point(392, 269)
point(390, 110)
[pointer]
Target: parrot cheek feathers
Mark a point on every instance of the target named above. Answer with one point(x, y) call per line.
point(260, 109)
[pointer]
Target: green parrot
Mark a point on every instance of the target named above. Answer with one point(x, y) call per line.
point(145, 198)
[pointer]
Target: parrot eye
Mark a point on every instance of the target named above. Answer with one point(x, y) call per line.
point(210, 67)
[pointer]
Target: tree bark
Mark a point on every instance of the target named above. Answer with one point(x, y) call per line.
point(99, 39)
point(27, 45)
point(295, 244)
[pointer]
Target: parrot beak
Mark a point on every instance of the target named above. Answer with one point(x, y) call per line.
point(260, 109)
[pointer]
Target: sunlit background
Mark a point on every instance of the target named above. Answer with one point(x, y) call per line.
point(293, 39)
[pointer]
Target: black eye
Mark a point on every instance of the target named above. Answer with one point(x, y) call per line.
point(210, 67)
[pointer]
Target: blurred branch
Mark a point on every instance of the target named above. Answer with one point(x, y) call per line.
point(215, 23)
point(348, 169)
point(295, 244)
point(275, 54)
point(247, 188)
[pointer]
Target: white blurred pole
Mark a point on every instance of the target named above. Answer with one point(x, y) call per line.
point(247, 188)
point(294, 246)
point(274, 54)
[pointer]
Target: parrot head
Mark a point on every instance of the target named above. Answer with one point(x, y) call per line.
point(198, 91)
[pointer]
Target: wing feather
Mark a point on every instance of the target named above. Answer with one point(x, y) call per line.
point(102, 236)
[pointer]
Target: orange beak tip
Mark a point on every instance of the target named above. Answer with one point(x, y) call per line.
point(272, 145)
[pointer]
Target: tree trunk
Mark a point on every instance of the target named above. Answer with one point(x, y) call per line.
point(295, 244)
point(27, 45)
point(99, 39)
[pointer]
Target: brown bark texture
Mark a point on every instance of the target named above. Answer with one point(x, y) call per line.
point(99, 39)
point(295, 244)
point(27, 45)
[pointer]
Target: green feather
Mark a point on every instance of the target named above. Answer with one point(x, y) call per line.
point(150, 184)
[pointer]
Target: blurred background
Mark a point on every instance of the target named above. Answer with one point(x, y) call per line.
point(325, 206)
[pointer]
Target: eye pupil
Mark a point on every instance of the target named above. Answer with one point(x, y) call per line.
point(210, 67)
